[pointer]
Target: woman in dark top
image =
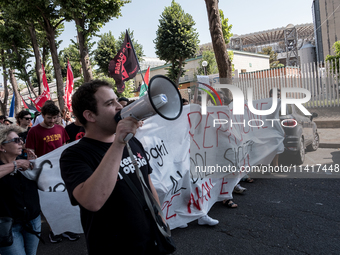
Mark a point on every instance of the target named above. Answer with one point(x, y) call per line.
point(19, 197)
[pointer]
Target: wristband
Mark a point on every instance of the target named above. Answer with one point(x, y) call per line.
point(15, 167)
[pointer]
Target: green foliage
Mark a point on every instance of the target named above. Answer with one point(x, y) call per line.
point(78, 83)
point(231, 57)
point(129, 87)
point(49, 15)
point(225, 28)
point(70, 53)
point(211, 68)
point(48, 71)
point(336, 47)
point(105, 52)
point(108, 46)
point(334, 59)
point(272, 56)
point(89, 17)
point(16, 41)
point(93, 14)
point(176, 39)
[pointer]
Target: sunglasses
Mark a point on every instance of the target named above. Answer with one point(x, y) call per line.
point(28, 118)
point(16, 140)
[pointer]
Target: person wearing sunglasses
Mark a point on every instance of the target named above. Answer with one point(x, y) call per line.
point(24, 120)
point(19, 196)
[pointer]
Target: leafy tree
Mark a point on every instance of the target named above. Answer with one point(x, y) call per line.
point(39, 40)
point(47, 14)
point(105, 52)
point(231, 57)
point(334, 59)
point(3, 102)
point(45, 58)
point(226, 28)
point(89, 17)
point(108, 46)
point(222, 59)
point(48, 72)
point(13, 80)
point(208, 54)
point(177, 39)
point(70, 53)
point(211, 68)
point(274, 63)
point(44, 14)
point(15, 37)
point(38, 67)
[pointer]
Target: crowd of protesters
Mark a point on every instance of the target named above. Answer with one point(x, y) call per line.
point(98, 196)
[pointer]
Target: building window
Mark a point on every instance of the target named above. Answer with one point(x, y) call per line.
point(250, 65)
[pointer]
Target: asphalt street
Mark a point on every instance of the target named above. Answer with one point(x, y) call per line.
point(274, 216)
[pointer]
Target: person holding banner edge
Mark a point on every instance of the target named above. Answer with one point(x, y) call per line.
point(19, 196)
point(111, 215)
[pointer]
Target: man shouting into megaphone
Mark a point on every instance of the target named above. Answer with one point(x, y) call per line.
point(95, 172)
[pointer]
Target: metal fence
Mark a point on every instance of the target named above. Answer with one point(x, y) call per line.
point(321, 79)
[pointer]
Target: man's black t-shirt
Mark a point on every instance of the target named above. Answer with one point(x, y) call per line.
point(121, 224)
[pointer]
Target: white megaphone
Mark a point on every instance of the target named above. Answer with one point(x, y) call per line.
point(162, 98)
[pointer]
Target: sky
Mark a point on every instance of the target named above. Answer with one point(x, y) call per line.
point(246, 16)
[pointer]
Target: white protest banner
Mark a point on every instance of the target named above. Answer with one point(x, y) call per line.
point(202, 79)
point(188, 184)
point(189, 156)
point(54, 201)
point(59, 213)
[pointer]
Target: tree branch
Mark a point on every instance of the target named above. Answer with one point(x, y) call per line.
point(62, 20)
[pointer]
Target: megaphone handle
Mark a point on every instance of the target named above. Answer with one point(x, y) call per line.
point(128, 137)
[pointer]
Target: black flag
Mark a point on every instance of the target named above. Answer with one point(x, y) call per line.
point(124, 66)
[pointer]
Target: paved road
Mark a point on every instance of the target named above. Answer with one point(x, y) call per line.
point(275, 216)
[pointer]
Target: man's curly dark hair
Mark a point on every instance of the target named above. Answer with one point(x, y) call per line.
point(50, 109)
point(83, 99)
point(21, 115)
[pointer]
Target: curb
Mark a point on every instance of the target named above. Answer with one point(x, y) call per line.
point(329, 145)
point(327, 123)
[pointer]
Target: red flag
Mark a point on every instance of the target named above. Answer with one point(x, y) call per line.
point(69, 86)
point(34, 103)
point(124, 66)
point(40, 100)
point(29, 108)
point(46, 88)
point(23, 101)
point(146, 76)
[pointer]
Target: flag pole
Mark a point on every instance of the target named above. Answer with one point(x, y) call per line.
point(135, 55)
